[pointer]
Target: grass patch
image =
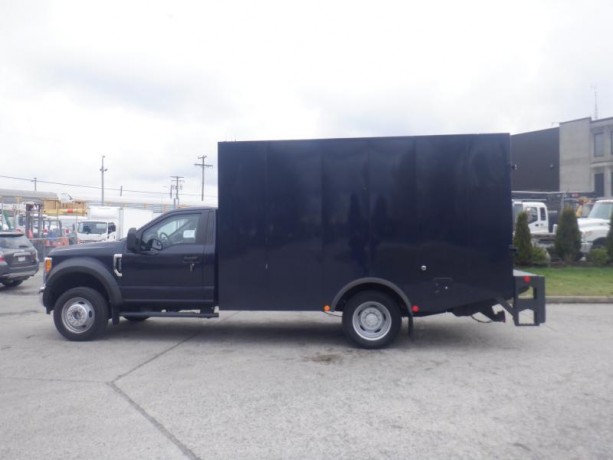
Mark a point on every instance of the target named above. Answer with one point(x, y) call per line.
point(577, 281)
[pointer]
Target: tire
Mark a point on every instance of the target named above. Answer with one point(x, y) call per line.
point(81, 314)
point(12, 283)
point(371, 319)
point(135, 319)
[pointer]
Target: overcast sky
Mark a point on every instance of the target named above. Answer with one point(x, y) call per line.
point(152, 85)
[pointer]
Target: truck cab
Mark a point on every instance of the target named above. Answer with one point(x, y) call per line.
point(595, 227)
point(90, 231)
point(165, 268)
point(538, 217)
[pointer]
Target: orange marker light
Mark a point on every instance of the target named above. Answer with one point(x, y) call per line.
point(326, 308)
point(48, 264)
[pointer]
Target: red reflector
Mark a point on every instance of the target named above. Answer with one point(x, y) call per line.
point(527, 279)
point(415, 309)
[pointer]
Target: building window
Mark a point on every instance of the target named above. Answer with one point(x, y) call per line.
point(599, 184)
point(598, 144)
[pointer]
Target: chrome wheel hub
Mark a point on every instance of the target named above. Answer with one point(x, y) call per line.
point(78, 315)
point(372, 320)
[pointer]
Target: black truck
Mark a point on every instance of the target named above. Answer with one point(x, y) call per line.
point(376, 228)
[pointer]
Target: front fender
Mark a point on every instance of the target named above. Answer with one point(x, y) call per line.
point(63, 276)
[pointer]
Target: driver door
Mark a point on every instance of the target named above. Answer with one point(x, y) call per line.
point(168, 271)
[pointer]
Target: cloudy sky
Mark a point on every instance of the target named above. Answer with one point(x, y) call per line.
point(152, 85)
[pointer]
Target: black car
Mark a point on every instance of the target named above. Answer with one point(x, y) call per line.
point(18, 258)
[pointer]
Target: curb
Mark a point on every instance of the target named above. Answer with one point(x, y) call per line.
point(585, 299)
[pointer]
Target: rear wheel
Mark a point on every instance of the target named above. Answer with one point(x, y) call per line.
point(12, 283)
point(372, 319)
point(80, 314)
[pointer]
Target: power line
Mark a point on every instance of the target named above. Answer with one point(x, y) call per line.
point(39, 181)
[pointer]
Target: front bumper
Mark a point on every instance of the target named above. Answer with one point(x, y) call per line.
point(41, 293)
point(586, 247)
point(20, 273)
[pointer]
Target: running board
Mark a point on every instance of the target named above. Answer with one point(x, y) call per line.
point(169, 314)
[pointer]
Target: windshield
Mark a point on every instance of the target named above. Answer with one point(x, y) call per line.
point(14, 242)
point(601, 211)
point(96, 228)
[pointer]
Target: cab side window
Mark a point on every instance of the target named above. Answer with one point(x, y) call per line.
point(177, 229)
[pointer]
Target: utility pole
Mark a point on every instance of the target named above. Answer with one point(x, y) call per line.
point(102, 171)
point(202, 165)
point(176, 187)
point(34, 183)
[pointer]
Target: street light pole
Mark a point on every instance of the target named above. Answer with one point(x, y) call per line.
point(202, 165)
point(102, 171)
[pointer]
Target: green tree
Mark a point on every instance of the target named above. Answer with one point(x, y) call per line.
point(522, 240)
point(568, 238)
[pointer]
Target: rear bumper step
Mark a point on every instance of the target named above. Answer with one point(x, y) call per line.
point(534, 286)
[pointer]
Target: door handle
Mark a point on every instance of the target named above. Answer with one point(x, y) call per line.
point(191, 259)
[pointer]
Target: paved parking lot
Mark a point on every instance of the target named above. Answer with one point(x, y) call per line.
point(281, 385)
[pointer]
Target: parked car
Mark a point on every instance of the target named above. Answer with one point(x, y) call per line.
point(18, 258)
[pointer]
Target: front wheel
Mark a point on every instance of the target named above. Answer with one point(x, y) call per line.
point(80, 314)
point(372, 319)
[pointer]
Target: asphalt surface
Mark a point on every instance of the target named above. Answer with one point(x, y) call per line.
point(281, 385)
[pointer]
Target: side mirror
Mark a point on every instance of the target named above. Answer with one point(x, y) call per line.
point(132, 241)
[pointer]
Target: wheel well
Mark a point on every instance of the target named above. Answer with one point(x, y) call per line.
point(74, 280)
point(404, 308)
